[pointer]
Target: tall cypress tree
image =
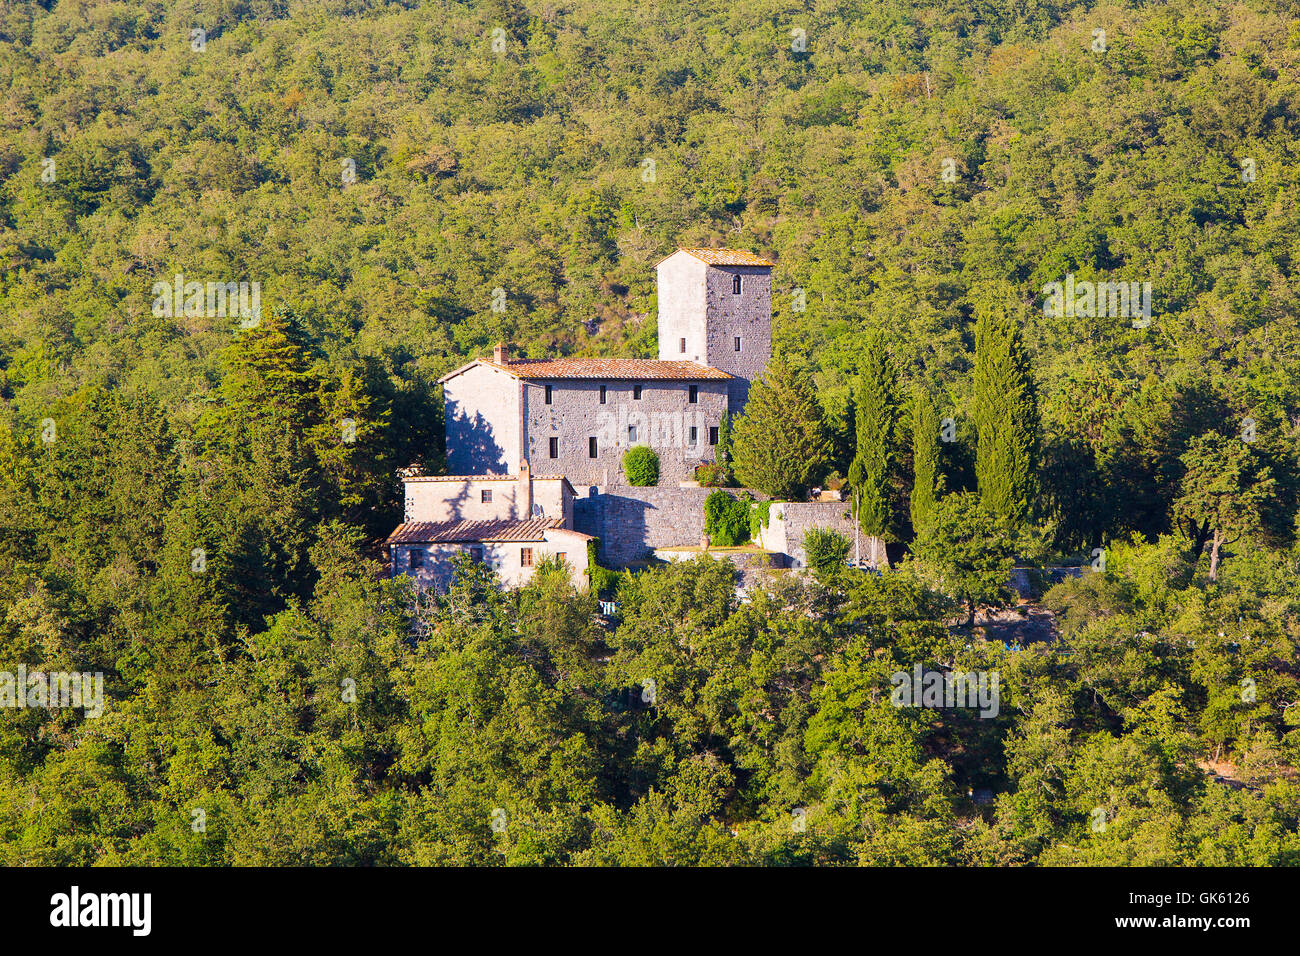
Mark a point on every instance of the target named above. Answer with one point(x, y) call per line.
point(877, 418)
point(1005, 410)
point(926, 479)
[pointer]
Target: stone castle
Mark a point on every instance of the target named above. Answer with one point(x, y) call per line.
point(535, 446)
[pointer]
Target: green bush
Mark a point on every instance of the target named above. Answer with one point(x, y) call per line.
point(760, 513)
point(726, 519)
point(826, 549)
point(641, 465)
point(603, 581)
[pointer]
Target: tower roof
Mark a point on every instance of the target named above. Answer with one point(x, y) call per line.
point(727, 257)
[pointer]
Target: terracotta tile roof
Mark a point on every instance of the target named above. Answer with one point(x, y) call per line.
point(483, 478)
point(728, 257)
point(446, 532)
point(647, 369)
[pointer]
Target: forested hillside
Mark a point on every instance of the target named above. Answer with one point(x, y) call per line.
point(183, 509)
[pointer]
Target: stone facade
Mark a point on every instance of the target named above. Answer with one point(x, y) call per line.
point(662, 418)
point(486, 497)
point(433, 567)
point(483, 424)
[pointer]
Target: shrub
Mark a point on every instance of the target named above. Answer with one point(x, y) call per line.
point(760, 513)
point(711, 476)
point(603, 581)
point(826, 549)
point(726, 520)
point(641, 465)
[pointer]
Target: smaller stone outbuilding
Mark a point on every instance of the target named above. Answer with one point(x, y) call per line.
point(512, 547)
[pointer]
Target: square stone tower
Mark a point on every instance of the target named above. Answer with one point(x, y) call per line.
point(715, 307)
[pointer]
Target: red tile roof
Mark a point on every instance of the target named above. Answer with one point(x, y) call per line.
point(506, 529)
point(648, 369)
point(728, 257)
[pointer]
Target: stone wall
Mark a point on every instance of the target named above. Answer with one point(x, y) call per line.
point(663, 417)
point(632, 522)
point(482, 422)
point(789, 521)
point(747, 316)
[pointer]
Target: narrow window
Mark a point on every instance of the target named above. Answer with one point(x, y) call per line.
point(476, 555)
point(636, 392)
point(417, 557)
point(602, 395)
point(735, 285)
point(631, 434)
point(563, 556)
point(695, 394)
point(485, 496)
point(555, 448)
point(591, 447)
point(713, 434)
point(737, 343)
point(548, 394)
point(695, 435)
point(683, 346)
point(525, 557)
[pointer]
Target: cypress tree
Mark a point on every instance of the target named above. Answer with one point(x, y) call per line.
point(1005, 411)
point(877, 418)
point(926, 480)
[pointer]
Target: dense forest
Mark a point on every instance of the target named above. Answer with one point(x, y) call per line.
point(191, 504)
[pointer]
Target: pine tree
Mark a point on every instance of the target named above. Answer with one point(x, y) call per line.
point(780, 444)
point(877, 418)
point(926, 478)
point(1005, 410)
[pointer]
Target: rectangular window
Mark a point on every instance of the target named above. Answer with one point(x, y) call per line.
point(417, 557)
point(631, 434)
point(525, 557)
point(683, 346)
point(636, 392)
point(737, 343)
point(735, 285)
point(713, 434)
point(548, 394)
point(602, 395)
point(695, 394)
point(695, 435)
point(476, 555)
point(485, 496)
point(591, 447)
point(563, 556)
point(555, 448)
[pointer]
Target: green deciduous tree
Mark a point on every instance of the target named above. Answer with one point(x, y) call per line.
point(1225, 485)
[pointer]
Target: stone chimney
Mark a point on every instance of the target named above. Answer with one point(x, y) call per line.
point(524, 497)
point(501, 354)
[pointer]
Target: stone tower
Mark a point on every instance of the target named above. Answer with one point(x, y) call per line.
point(715, 308)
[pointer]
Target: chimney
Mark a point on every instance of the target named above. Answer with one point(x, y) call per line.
point(500, 354)
point(524, 498)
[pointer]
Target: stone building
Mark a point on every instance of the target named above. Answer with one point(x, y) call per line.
point(579, 416)
point(511, 522)
point(573, 419)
